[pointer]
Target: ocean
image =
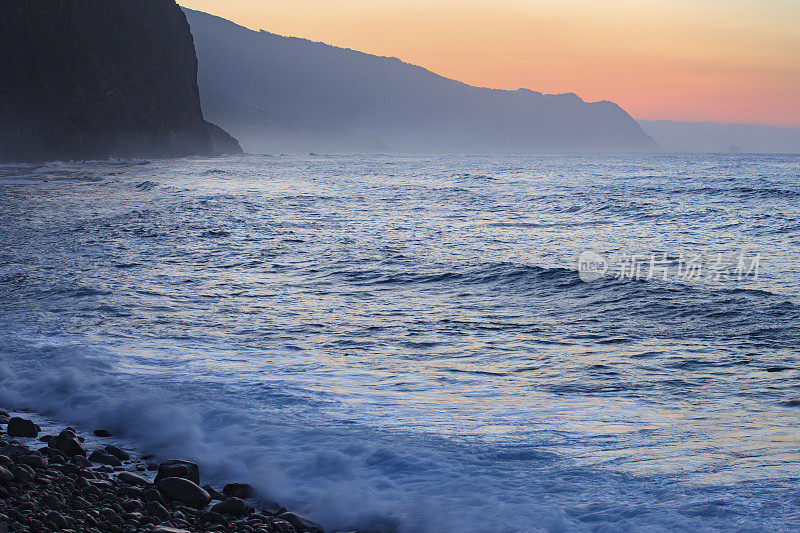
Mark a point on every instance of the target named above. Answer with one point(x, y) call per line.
point(493, 343)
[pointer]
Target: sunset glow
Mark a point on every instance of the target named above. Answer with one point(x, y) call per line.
point(717, 60)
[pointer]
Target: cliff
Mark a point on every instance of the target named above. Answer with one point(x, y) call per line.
point(278, 93)
point(92, 79)
point(222, 143)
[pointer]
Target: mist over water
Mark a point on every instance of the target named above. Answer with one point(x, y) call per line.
point(404, 341)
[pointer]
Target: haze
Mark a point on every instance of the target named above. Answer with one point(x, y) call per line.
point(719, 60)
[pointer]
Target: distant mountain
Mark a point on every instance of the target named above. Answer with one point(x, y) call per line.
point(92, 79)
point(283, 94)
point(715, 138)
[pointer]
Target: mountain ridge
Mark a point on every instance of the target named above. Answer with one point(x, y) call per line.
point(401, 106)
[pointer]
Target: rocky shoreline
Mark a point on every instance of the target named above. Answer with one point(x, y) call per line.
point(54, 483)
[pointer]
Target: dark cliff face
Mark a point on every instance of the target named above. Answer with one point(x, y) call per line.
point(222, 143)
point(92, 79)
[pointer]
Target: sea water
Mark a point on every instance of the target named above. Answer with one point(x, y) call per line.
point(408, 343)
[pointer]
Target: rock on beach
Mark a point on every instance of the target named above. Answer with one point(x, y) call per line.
point(184, 491)
point(21, 427)
point(104, 458)
point(233, 506)
point(68, 443)
point(238, 490)
point(178, 468)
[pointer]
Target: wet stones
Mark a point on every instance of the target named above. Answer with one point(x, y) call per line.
point(178, 468)
point(127, 491)
point(158, 511)
point(233, 506)
point(302, 525)
point(104, 458)
point(215, 495)
point(238, 490)
point(57, 519)
point(21, 427)
point(185, 491)
point(117, 452)
point(134, 480)
point(24, 473)
point(57, 488)
point(68, 443)
point(33, 460)
point(14, 450)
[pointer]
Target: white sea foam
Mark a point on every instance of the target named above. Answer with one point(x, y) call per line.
point(341, 479)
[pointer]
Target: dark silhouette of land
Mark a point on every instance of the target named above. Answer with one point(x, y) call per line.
point(92, 79)
point(279, 93)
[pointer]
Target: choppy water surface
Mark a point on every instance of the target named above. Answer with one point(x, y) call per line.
point(404, 342)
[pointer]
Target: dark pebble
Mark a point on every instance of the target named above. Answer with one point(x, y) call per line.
point(50, 501)
point(178, 468)
point(24, 473)
point(104, 458)
point(81, 461)
point(21, 427)
point(68, 443)
point(238, 490)
point(117, 452)
point(216, 518)
point(34, 460)
point(134, 479)
point(157, 510)
point(152, 495)
point(132, 505)
point(302, 525)
point(233, 506)
point(127, 491)
point(215, 495)
point(57, 519)
point(13, 450)
point(5, 475)
point(185, 491)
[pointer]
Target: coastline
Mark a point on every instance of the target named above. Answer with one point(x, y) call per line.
point(53, 480)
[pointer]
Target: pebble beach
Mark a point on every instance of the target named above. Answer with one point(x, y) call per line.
point(59, 482)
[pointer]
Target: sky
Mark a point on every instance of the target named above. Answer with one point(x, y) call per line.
point(695, 60)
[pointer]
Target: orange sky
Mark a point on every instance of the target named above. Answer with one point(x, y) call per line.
point(720, 60)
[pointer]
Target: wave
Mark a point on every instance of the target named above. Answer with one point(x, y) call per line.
point(341, 473)
point(762, 193)
point(344, 478)
point(607, 311)
point(501, 273)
